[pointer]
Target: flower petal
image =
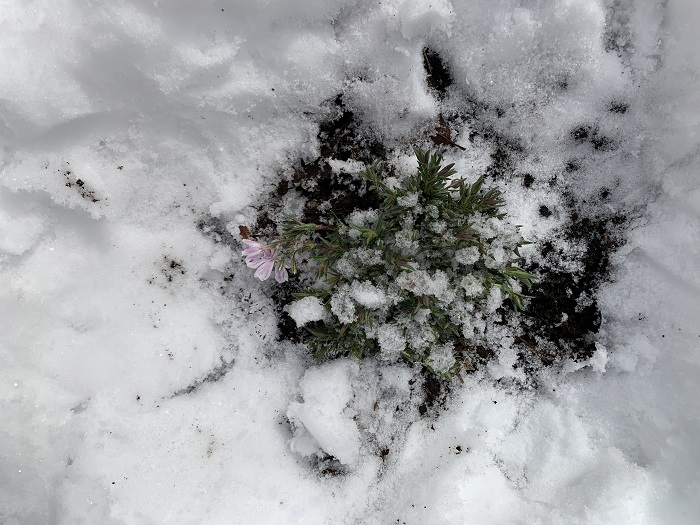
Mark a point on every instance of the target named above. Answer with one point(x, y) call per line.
point(255, 260)
point(281, 275)
point(251, 251)
point(253, 247)
point(263, 273)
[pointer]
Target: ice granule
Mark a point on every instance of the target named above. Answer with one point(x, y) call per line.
point(408, 201)
point(419, 331)
point(367, 295)
point(422, 315)
point(473, 327)
point(472, 286)
point(421, 282)
point(517, 287)
point(441, 358)
point(350, 262)
point(293, 203)
point(405, 243)
point(362, 218)
point(420, 337)
point(346, 266)
point(490, 228)
point(494, 299)
point(347, 166)
point(368, 257)
point(342, 306)
point(499, 254)
point(391, 341)
point(467, 256)
point(432, 211)
point(438, 226)
point(497, 257)
point(407, 221)
point(306, 310)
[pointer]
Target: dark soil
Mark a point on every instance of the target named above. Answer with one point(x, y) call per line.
point(437, 75)
point(564, 310)
point(329, 194)
point(434, 393)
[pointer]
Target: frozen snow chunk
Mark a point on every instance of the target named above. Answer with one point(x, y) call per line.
point(342, 305)
point(421, 282)
point(392, 183)
point(494, 299)
point(347, 166)
point(306, 310)
point(432, 211)
point(467, 256)
point(599, 359)
point(473, 327)
point(320, 420)
point(391, 341)
point(408, 201)
point(413, 281)
point(441, 358)
point(420, 336)
point(505, 366)
point(293, 203)
point(367, 295)
point(362, 218)
point(368, 257)
point(491, 227)
point(438, 226)
point(405, 242)
point(472, 286)
point(346, 266)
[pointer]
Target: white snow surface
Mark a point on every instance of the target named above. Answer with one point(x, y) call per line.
point(139, 386)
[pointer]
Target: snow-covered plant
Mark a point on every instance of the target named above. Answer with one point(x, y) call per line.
point(414, 279)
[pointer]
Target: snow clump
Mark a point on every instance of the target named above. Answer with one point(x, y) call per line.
point(306, 310)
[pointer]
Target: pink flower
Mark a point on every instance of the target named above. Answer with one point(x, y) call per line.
point(266, 261)
point(281, 274)
point(253, 248)
point(265, 269)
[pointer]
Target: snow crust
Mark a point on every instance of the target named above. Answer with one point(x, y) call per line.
point(141, 378)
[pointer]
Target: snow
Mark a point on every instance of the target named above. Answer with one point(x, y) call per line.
point(391, 341)
point(367, 295)
point(141, 378)
point(306, 310)
point(342, 305)
point(441, 358)
point(326, 391)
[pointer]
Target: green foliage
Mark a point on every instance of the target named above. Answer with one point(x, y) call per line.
point(410, 277)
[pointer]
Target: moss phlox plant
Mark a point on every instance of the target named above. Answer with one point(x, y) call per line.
point(414, 279)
